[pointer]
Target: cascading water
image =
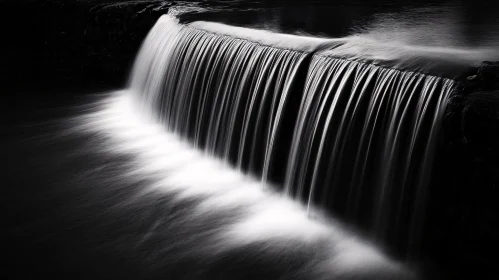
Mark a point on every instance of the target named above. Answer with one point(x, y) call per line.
point(363, 143)
point(337, 124)
point(214, 221)
point(229, 96)
point(237, 153)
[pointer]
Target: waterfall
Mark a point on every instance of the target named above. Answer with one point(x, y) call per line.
point(230, 95)
point(363, 143)
point(349, 125)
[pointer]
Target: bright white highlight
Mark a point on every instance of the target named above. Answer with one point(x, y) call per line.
point(254, 214)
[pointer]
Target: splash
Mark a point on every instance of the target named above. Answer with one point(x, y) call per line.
point(227, 211)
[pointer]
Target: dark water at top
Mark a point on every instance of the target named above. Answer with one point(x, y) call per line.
point(449, 24)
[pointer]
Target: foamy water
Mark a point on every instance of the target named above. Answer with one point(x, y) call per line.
point(247, 213)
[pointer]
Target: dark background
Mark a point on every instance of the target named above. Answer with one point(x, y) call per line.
point(57, 50)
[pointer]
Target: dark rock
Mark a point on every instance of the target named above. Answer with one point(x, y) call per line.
point(54, 43)
point(465, 222)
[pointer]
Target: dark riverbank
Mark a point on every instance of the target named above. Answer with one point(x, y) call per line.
point(60, 44)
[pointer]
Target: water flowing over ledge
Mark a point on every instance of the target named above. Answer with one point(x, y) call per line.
point(336, 124)
point(438, 61)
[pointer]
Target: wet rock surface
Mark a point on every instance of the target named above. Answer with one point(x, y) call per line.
point(465, 220)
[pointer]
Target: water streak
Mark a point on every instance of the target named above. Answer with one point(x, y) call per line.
point(337, 125)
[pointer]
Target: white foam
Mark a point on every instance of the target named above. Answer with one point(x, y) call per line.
point(262, 215)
